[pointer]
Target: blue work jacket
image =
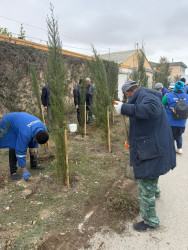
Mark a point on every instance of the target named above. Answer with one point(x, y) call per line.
point(186, 89)
point(171, 101)
point(17, 131)
point(164, 91)
point(152, 151)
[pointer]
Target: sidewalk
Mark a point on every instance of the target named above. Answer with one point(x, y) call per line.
point(172, 210)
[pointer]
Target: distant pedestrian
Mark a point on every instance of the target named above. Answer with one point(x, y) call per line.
point(89, 99)
point(185, 85)
point(45, 98)
point(178, 126)
point(152, 151)
point(159, 87)
point(76, 94)
point(18, 132)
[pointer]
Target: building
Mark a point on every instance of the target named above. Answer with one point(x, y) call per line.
point(127, 61)
point(177, 70)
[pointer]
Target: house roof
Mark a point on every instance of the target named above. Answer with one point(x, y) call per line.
point(153, 64)
point(178, 64)
point(147, 70)
point(118, 57)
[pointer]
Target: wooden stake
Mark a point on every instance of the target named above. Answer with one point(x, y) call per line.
point(108, 122)
point(43, 120)
point(85, 120)
point(125, 128)
point(113, 109)
point(67, 162)
point(112, 114)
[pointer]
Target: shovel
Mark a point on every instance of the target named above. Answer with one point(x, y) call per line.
point(129, 173)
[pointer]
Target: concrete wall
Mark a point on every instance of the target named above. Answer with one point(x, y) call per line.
point(122, 78)
point(150, 79)
point(15, 81)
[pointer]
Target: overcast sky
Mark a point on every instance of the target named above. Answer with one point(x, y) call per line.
point(117, 25)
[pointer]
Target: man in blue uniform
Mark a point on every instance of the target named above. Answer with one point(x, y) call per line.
point(19, 131)
point(159, 87)
point(152, 151)
point(185, 85)
point(178, 126)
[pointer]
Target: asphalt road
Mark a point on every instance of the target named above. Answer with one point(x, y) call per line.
point(172, 210)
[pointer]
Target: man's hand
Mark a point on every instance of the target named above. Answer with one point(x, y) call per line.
point(117, 106)
point(76, 106)
point(26, 175)
point(45, 107)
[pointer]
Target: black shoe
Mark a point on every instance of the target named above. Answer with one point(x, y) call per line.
point(15, 177)
point(37, 168)
point(142, 226)
point(157, 196)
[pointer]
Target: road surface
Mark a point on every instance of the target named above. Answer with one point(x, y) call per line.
point(172, 210)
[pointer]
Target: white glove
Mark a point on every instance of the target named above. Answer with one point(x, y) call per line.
point(118, 106)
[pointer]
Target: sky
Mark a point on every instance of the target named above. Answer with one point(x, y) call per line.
point(109, 25)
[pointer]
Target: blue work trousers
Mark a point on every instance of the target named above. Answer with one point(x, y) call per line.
point(177, 134)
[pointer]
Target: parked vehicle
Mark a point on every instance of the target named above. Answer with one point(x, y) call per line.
point(171, 86)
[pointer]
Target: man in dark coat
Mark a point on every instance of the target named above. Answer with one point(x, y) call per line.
point(76, 94)
point(89, 99)
point(45, 98)
point(152, 151)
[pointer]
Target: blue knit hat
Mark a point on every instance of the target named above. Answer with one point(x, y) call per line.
point(179, 86)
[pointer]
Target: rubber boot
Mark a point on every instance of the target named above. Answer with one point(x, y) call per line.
point(12, 161)
point(13, 165)
point(33, 162)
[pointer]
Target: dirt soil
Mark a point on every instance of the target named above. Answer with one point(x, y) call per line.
point(44, 214)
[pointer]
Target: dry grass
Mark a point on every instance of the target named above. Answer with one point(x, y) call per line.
point(49, 210)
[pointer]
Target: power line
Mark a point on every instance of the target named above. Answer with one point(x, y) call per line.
point(22, 23)
point(47, 31)
point(46, 42)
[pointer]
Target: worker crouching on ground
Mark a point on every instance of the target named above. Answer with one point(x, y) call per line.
point(19, 131)
point(152, 151)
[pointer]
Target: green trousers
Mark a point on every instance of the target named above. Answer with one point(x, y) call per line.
point(147, 191)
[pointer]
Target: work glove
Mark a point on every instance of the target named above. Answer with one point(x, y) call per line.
point(117, 106)
point(26, 175)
